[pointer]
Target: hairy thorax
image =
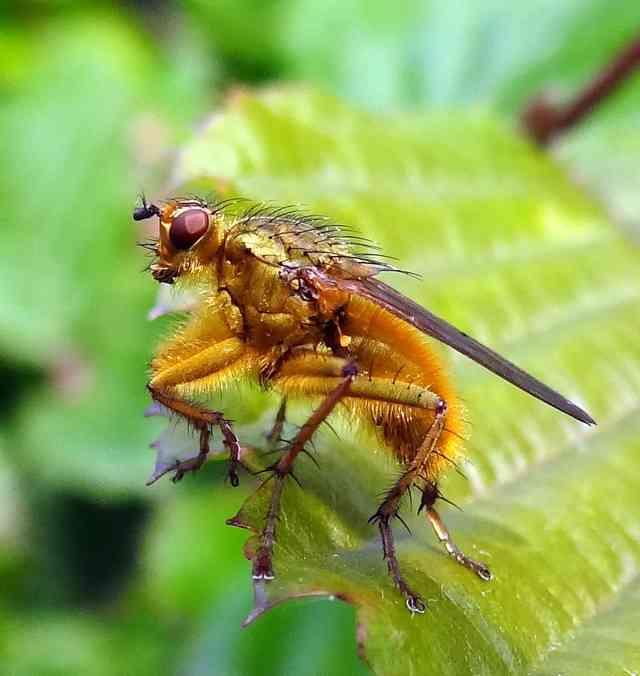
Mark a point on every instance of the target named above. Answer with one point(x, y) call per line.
point(272, 315)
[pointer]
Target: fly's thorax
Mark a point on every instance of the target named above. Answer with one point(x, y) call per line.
point(258, 243)
point(272, 313)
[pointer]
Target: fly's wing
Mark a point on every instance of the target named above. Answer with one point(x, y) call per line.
point(403, 307)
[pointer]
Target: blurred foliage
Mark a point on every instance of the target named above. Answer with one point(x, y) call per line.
point(98, 574)
point(418, 52)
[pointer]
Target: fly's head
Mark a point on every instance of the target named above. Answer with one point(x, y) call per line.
point(188, 238)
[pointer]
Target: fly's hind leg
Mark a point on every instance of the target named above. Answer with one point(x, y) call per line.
point(389, 506)
point(413, 600)
point(263, 560)
point(430, 494)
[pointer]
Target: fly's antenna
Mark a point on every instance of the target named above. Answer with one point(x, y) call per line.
point(146, 210)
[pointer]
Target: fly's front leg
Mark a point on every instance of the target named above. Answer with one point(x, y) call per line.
point(180, 374)
point(429, 495)
point(263, 560)
point(202, 419)
point(194, 464)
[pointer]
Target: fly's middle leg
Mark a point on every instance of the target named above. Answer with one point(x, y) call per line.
point(262, 568)
point(202, 419)
point(313, 374)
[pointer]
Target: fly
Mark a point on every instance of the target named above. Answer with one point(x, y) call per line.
point(294, 303)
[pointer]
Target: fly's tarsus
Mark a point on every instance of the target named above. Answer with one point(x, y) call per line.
point(201, 419)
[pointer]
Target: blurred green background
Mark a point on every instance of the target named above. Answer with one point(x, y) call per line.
point(100, 575)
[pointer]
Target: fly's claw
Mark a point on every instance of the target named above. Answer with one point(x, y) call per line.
point(185, 466)
point(178, 476)
point(262, 569)
point(178, 467)
point(415, 604)
point(232, 476)
point(232, 444)
point(232, 472)
point(478, 567)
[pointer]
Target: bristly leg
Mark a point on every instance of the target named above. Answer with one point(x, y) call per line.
point(231, 442)
point(194, 464)
point(202, 419)
point(273, 437)
point(262, 568)
point(414, 602)
point(430, 494)
point(391, 503)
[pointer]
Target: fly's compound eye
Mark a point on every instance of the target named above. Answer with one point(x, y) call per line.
point(187, 227)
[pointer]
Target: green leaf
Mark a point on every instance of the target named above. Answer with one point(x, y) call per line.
point(194, 576)
point(512, 252)
point(603, 643)
point(59, 642)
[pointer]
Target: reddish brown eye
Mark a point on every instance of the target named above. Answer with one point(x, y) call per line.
point(188, 227)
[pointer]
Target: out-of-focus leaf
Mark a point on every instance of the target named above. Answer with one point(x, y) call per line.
point(62, 643)
point(603, 151)
point(12, 532)
point(308, 639)
point(92, 103)
point(571, 51)
point(513, 253)
point(384, 54)
point(244, 33)
point(604, 159)
point(498, 52)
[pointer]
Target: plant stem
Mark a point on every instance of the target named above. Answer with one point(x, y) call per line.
point(544, 121)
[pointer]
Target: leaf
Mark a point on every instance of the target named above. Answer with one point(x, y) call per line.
point(449, 54)
point(604, 642)
point(194, 577)
point(512, 252)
